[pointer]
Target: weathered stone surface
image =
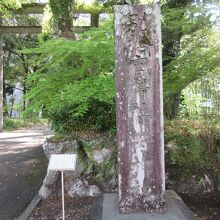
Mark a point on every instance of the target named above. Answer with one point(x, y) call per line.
point(139, 108)
point(171, 146)
point(102, 161)
point(51, 185)
point(101, 154)
point(74, 183)
point(67, 146)
point(45, 192)
point(175, 210)
point(218, 188)
point(52, 182)
point(112, 184)
point(82, 188)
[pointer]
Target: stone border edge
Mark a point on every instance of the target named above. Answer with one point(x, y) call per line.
point(34, 202)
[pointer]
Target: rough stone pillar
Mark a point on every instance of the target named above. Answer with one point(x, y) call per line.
point(139, 108)
point(1, 79)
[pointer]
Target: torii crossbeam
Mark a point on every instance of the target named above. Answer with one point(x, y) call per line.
point(32, 8)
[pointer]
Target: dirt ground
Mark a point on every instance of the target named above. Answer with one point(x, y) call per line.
point(75, 209)
point(79, 208)
point(206, 208)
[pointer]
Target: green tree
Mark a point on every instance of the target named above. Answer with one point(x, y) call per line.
point(73, 83)
point(16, 63)
point(185, 23)
point(74, 79)
point(6, 6)
point(181, 20)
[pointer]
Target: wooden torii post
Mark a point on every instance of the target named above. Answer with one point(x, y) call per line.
point(33, 8)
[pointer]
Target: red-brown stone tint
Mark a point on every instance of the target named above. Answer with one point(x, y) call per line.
point(139, 108)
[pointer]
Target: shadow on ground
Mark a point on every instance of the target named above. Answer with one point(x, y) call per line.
point(22, 169)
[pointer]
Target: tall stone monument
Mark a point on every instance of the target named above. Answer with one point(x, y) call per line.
point(139, 108)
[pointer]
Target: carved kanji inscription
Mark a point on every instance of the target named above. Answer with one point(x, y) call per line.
point(139, 108)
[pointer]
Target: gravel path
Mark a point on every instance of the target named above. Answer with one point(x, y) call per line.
point(22, 169)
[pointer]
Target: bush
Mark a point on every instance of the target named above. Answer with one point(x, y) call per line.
point(197, 145)
point(99, 117)
point(74, 83)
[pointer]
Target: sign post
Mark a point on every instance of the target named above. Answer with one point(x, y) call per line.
point(62, 162)
point(62, 182)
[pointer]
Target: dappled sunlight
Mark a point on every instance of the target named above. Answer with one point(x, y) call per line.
point(20, 141)
point(17, 134)
point(11, 151)
point(22, 168)
point(31, 161)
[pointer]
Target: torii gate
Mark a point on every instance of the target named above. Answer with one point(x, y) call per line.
point(33, 8)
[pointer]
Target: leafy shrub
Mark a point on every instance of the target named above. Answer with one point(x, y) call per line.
point(197, 145)
point(73, 83)
point(99, 116)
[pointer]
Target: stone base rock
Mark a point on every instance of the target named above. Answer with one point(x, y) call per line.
point(101, 154)
point(74, 184)
point(82, 188)
point(193, 186)
point(66, 146)
point(175, 209)
point(52, 182)
point(51, 185)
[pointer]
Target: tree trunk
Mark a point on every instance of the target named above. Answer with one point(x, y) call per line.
point(26, 70)
point(24, 94)
point(5, 99)
point(12, 106)
point(94, 20)
point(172, 105)
point(171, 48)
point(62, 17)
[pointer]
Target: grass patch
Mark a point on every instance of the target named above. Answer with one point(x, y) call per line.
point(197, 145)
point(14, 123)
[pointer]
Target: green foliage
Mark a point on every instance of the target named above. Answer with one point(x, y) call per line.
point(199, 56)
point(92, 6)
point(74, 83)
point(16, 64)
point(7, 5)
point(13, 123)
point(202, 98)
point(197, 143)
point(189, 49)
point(111, 3)
point(10, 124)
